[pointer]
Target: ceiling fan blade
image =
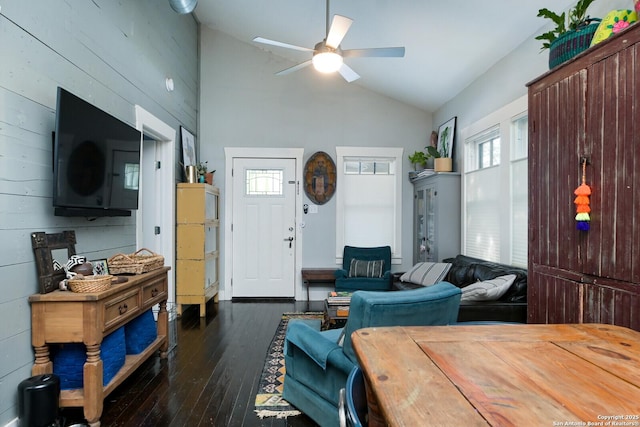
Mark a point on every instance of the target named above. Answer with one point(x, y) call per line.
point(281, 44)
point(294, 68)
point(339, 27)
point(387, 52)
point(347, 73)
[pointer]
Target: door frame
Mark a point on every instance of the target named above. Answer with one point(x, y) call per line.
point(232, 153)
point(165, 137)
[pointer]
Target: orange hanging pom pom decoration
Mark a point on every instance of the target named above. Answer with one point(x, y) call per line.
point(583, 190)
point(583, 209)
point(582, 201)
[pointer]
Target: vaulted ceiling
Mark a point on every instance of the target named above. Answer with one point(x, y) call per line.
point(449, 43)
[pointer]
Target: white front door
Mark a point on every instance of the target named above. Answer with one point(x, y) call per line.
point(263, 228)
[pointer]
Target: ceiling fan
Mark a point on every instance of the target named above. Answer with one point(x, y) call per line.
point(327, 54)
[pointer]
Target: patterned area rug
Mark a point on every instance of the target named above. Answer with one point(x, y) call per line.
point(269, 401)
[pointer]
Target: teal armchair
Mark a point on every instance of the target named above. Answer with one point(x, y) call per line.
point(318, 362)
point(367, 269)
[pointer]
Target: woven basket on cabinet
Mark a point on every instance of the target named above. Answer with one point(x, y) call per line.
point(97, 283)
point(571, 43)
point(136, 263)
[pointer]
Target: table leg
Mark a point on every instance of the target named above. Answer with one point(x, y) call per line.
point(93, 388)
point(163, 328)
point(43, 364)
point(306, 283)
point(375, 417)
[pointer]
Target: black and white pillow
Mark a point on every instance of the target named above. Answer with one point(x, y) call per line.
point(426, 273)
point(362, 268)
point(489, 290)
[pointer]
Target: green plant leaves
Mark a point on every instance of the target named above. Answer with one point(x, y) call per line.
point(577, 18)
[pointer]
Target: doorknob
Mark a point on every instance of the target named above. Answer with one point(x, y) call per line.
point(289, 239)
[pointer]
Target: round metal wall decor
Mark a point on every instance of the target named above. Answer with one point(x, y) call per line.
point(320, 178)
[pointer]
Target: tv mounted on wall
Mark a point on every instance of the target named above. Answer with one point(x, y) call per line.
point(96, 161)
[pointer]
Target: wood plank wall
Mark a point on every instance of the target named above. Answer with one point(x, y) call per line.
point(113, 54)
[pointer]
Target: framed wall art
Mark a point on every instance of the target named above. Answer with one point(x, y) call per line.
point(100, 267)
point(446, 137)
point(188, 147)
point(320, 178)
point(47, 248)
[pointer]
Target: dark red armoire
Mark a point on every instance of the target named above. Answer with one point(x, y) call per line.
point(586, 109)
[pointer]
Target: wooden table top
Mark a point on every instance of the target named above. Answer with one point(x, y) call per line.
point(502, 375)
point(318, 274)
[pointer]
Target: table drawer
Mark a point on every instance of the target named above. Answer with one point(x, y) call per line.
point(120, 308)
point(154, 292)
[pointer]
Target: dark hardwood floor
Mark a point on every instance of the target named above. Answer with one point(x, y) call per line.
point(210, 378)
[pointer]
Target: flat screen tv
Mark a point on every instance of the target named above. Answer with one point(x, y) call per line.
point(96, 161)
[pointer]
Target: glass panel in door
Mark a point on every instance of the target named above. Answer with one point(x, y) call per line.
point(420, 237)
point(430, 225)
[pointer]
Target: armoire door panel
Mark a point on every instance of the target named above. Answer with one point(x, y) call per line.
point(554, 299)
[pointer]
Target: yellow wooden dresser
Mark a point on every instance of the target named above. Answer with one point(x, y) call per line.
point(197, 245)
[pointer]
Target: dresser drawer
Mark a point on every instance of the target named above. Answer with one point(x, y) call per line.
point(154, 292)
point(120, 308)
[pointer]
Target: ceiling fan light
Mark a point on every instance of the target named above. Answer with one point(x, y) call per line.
point(183, 6)
point(327, 62)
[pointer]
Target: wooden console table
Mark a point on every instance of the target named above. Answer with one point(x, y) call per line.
point(500, 375)
point(68, 317)
point(321, 276)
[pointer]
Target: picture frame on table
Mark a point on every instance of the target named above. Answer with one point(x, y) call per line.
point(100, 267)
point(446, 137)
point(188, 148)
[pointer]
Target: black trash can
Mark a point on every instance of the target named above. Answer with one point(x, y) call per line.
point(38, 401)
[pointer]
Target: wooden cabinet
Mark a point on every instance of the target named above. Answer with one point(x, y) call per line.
point(69, 317)
point(436, 228)
point(586, 109)
point(197, 245)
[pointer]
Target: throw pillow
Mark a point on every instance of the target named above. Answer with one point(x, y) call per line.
point(426, 273)
point(614, 22)
point(489, 290)
point(362, 268)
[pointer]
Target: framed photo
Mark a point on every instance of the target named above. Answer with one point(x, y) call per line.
point(446, 136)
point(188, 148)
point(100, 267)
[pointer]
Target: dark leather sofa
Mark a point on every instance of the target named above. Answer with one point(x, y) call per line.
point(511, 307)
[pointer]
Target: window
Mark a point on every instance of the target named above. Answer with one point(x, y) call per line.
point(484, 149)
point(369, 205)
point(264, 182)
point(495, 186)
point(367, 167)
point(489, 153)
point(519, 186)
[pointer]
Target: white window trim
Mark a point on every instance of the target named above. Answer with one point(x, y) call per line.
point(368, 152)
point(502, 118)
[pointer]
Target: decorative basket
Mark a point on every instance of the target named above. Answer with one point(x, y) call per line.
point(90, 283)
point(571, 43)
point(135, 263)
point(68, 360)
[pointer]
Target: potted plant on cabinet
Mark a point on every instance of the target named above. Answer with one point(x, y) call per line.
point(418, 160)
point(441, 152)
point(571, 35)
point(203, 174)
point(441, 161)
